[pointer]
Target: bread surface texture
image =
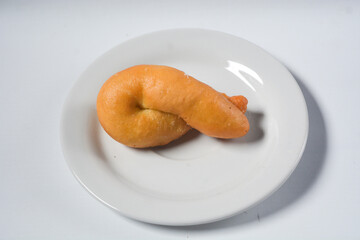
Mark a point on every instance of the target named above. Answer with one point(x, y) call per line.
point(152, 105)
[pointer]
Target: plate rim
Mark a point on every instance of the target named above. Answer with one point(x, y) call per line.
point(153, 221)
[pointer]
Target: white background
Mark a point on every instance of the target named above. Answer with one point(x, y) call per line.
point(44, 47)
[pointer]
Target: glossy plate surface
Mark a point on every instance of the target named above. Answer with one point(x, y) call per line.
point(196, 179)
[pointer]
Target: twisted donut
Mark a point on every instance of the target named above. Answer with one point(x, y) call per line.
point(151, 105)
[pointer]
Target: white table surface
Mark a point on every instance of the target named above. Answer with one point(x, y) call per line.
point(44, 47)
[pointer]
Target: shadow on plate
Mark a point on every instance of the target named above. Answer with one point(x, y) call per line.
point(297, 186)
point(256, 133)
point(191, 135)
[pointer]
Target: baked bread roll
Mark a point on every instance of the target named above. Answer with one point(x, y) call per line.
point(151, 105)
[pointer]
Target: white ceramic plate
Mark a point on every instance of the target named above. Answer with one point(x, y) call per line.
point(196, 179)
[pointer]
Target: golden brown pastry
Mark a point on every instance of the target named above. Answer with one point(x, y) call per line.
point(151, 105)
